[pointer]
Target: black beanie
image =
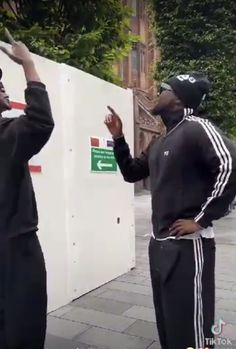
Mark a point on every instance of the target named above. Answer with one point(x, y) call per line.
point(191, 89)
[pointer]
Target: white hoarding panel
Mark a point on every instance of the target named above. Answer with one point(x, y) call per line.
point(86, 217)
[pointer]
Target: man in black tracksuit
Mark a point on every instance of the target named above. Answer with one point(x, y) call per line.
point(23, 297)
point(193, 180)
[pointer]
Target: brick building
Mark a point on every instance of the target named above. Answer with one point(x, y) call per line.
point(136, 69)
point(136, 72)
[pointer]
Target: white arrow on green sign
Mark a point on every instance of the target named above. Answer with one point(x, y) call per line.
point(101, 165)
point(103, 160)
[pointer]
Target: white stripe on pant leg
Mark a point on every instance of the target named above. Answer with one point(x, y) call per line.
point(195, 295)
point(198, 308)
point(201, 274)
point(198, 294)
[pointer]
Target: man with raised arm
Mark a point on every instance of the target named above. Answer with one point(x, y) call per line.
point(23, 296)
point(192, 170)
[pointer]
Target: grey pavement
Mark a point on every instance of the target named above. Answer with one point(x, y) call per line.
point(120, 315)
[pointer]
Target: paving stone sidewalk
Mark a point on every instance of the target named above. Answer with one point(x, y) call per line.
point(120, 315)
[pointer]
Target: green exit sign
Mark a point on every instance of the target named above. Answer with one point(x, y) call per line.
point(103, 160)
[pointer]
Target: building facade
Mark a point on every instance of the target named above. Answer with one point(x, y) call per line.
point(136, 69)
point(136, 72)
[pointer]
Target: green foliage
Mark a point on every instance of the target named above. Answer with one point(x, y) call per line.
point(90, 35)
point(201, 35)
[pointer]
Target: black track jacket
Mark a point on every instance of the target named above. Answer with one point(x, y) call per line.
point(20, 139)
point(192, 172)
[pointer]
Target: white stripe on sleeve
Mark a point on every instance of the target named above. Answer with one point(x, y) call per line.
point(225, 167)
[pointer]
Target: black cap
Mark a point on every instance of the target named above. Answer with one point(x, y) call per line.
point(191, 88)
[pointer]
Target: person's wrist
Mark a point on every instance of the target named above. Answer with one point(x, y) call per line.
point(28, 63)
point(119, 135)
point(30, 71)
point(199, 227)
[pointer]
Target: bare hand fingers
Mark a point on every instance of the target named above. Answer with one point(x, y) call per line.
point(6, 51)
point(176, 224)
point(114, 114)
point(180, 233)
point(10, 55)
point(108, 118)
point(112, 110)
point(9, 37)
point(175, 231)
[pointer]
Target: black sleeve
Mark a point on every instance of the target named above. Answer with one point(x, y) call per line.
point(219, 156)
point(31, 131)
point(133, 170)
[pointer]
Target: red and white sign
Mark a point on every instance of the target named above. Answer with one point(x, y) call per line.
point(17, 108)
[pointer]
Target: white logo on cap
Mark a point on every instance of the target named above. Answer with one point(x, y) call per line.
point(186, 77)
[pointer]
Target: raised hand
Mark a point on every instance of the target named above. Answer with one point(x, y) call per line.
point(114, 123)
point(19, 52)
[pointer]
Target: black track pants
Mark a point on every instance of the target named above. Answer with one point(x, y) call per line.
point(23, 298)
point(183, 282)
